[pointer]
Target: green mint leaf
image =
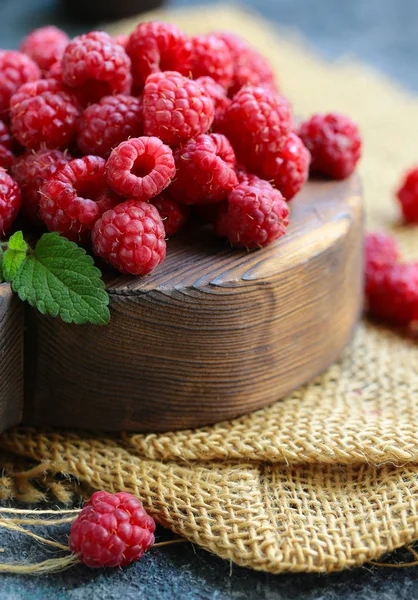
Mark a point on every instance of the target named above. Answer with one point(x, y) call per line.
point(60, 279)
point(1, 266)
point(14, 255)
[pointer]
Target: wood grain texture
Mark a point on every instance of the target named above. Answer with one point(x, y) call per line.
point(213, 333)
point(11, 358)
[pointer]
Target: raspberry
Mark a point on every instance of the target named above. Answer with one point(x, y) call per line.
point(334, 143)
point(289, 168)
point(45, 46)
point(42, 113)
point(6, 139)
point(256, 215)
point(394, 298)
point(104, 125)
point(249, 66)
point(211, 56)
point(205, 170)
point(31, 170)
point(257, 121)
point(154, 47)
point(75, 197)
point(408, 196)
point(175, 108)
point(381, 251)
point(140, 168)
point(173, 214)
point(6, 158)
point(10, 199)
point(218, 95)
point(130, 237)
point(98, 65)
point(15, 69)
point(121, 39)
point(112, 530)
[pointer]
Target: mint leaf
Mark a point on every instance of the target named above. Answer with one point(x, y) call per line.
point(14, 255)
point(60, 279)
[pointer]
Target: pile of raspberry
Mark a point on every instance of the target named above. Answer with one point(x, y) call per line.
point(118, 143)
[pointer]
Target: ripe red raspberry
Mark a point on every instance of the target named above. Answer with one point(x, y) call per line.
point(10, 199)
point(249, 66)
point(75, 197)
point(334, 143)
point(219, 97)
point(288, 168)
point(6, 158)
point(31, 170)
point(140, 168)
point(154, 47)
point(45, 45)
point(15, 69)
point(112, 530)
point(211, 56)
point(130, 237)
point(257, 121)
point(121, 39)
point(381, 251)
point(205, 170)
point(408, 196)
point(256, 215)
point(173, 214)
point(394, 297)
point(97, 64)
point(43, 114)
point(6, 139)
point(176, 108)
point(104, 125)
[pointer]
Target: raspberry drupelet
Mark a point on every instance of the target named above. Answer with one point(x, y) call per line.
point(15, 69)
point(45, 46)
point(75, 197)
point(140, 168)
point(408, 196)
point(381, 251)
point(205, 170)
point(31, 170)
point(131, 237)
point(95, 63)
point(173, 214)
point(334, 143)
point(154, 47)
point(10, 199)
point(44, 114)
point(176, 108)
point(112, 530)
point(104, 125)
point(211, 57)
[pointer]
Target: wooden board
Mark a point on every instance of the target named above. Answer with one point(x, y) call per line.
point(213, 333)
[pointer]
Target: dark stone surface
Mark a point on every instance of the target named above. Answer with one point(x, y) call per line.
point(384, 33)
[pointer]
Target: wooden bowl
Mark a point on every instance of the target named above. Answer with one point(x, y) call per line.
point(212, 334)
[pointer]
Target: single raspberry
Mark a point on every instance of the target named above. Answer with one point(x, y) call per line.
point(256, 215)
point(288, 168)
point(381, 251)
point(205, 170)
point(7, 158)
point(10, 199)
point(75, 197)
point(173, 214)
point(140, 168)
point(45, 46)
point(394, 298)
point(257, 121)
point(408, 196)
point(154, 47)
point(43, 114)
point(31, 170)
point(334, 143)
point(176, 108)
point(212, 57)
point(112, 530)
point(15, 69)
point(219, 97)
point(121, 39)
point(97, 64)
point(104, 125)
point(130, 237)
point(6, 139)
point(249, 66)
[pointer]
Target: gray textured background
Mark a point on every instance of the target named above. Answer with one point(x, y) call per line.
point(385, 34)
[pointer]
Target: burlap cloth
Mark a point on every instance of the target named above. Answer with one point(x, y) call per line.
point(328, 477)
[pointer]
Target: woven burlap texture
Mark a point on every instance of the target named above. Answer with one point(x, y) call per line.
point(326, 478)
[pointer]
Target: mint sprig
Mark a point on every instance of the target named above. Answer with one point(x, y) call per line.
point(57, 277)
